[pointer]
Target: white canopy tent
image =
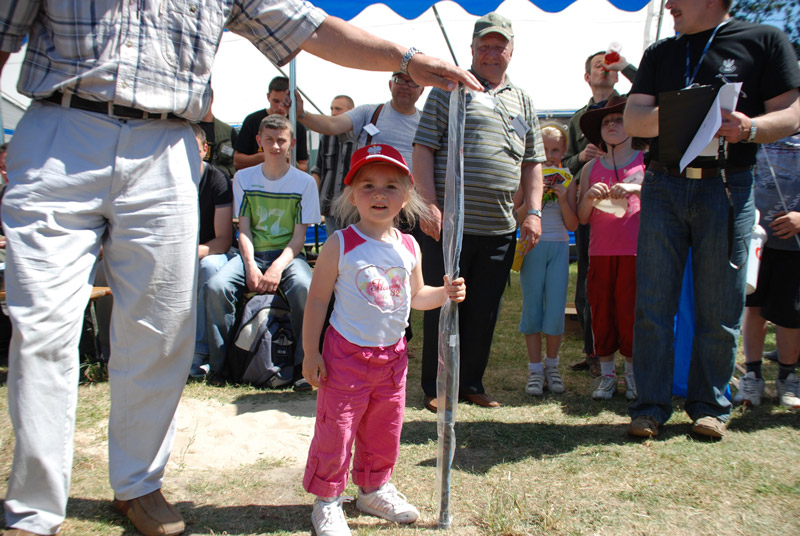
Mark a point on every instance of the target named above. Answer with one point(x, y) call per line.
point(549, 54)
point(550, 49)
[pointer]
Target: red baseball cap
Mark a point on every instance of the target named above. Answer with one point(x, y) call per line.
point(371, 154)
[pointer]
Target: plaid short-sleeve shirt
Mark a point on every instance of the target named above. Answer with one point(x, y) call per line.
point(152, 55)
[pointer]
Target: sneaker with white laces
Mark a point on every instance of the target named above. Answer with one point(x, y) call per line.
point(328, 517)
point(751, 389)
point(630, 386)
point(789, 391)
point(535, 386)
point(606, 387)
point(552, 378)
point(388, 503)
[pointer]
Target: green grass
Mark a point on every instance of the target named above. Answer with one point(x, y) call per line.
point(557, 465)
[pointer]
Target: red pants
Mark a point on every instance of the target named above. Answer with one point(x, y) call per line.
point(363, 400)
point(611, 292)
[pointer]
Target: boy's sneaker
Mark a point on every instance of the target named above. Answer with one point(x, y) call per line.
point(606, 387)
point(751, 389)
point(552, 378)
point(388, 503)
point(535, 386)
point(630, 386)
point(789, 391)
point(328, 518)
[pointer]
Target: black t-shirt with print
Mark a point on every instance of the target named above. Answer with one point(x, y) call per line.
point(213, 191)
point(759, 56)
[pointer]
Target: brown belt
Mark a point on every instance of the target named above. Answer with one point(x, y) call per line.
point(105, 108)
point(695, 172)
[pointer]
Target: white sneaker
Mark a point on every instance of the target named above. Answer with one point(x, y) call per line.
point(535, 386)
point(750, 391)
point(630, 386)
point(552, 378)
point(328, 518)
point(606, 387)
point(388, 503)
point(789, 391)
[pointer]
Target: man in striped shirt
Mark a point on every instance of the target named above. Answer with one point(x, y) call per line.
point(105, 156)
point(503, 151)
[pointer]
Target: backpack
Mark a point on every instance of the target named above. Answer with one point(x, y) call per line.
point(262, 353)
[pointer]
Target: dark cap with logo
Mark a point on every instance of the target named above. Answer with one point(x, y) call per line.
point(493, 23)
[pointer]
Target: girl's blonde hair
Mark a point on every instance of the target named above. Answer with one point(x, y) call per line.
point(346, 212)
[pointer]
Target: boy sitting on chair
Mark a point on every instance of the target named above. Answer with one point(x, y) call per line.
point(275, 203)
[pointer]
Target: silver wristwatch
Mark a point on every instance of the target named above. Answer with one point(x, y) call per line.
point(407, 58)
point(535, 212)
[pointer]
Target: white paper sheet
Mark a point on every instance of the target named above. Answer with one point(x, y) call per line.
point(704, 141)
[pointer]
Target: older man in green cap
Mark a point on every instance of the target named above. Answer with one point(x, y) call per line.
point(503, 151)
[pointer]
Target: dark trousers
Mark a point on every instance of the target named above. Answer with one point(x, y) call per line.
point(581, 304)
point(485, 263)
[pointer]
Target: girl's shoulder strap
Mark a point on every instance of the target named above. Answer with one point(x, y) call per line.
point(350, 239)
point(409, 243)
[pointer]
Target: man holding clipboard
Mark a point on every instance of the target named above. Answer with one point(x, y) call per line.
point(706, 205)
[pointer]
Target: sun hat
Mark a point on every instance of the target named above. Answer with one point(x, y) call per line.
point(374, 153)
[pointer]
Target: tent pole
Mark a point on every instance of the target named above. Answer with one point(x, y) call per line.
point(444, 33)
point(303, 93)
point(293, 107)
point(660, 20)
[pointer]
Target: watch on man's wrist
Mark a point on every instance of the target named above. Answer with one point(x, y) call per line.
point(535, 212)
point(753, 132)
point(407, 58)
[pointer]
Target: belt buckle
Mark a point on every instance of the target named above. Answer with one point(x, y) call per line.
point(694, 173)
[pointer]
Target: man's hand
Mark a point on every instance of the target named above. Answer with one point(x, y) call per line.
point(314, 368)
point(735, 126)
point(530, 230)
point(299, 105)
point(786, 225)
point(430, 71)
point(591, 151)
point(432, 225)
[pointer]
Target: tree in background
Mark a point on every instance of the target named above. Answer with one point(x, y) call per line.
point(785, 14)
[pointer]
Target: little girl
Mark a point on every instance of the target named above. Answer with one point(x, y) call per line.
point(609, 201)
point(375, 272)
point(544, 275)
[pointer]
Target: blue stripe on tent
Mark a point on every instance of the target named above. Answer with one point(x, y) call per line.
point(411, 9)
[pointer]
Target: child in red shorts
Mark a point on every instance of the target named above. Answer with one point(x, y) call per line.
point(609, 201)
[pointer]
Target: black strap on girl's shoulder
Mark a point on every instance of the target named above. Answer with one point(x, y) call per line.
point(373, 121)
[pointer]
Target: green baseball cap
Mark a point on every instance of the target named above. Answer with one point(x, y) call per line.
point(493, 23)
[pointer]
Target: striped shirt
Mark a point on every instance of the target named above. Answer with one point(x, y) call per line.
point(493, 153)
point(152, 55)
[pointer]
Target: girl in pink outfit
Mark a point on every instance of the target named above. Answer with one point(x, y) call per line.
point(375, 273)
point(609, 201)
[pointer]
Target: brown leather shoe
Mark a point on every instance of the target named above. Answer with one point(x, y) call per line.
point(583, 364)
point(482, 399)
point(432, 404)
point(19, 532)
point(152, 515)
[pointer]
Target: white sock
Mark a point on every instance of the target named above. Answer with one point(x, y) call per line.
point(551, 362)
point(628, 367)
point(327, 499)
point(607, 368)
point(536, 368)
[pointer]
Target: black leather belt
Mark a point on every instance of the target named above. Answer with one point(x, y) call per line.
point(695, 172)
point(105, 108)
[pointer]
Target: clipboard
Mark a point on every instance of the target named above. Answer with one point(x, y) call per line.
point(680, 114)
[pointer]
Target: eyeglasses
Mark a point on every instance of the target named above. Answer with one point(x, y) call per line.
point(403, 82)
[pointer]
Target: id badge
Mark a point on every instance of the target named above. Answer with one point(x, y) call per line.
point(371, 129)
point(521, 126)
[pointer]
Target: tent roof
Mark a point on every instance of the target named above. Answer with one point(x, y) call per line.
point(411, 9)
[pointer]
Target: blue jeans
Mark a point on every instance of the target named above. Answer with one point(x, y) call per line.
point(677, 214)
point(227, 288)
point(209, 265)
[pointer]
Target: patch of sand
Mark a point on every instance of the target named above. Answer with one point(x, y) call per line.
point(213, 435)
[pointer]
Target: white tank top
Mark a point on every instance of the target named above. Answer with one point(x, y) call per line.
point(373, 290)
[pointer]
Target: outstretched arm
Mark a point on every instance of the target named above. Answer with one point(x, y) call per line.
point(342, 43)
